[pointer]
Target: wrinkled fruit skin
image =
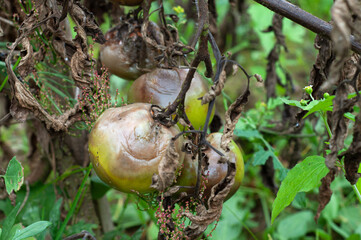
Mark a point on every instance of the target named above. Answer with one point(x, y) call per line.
point(162, 86)
point(125, 54)
point(216, 171)
point(129, 2)
point(126, 146)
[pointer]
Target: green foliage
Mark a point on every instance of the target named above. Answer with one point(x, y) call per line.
point(54, 218)
point(314, 106)
point(249, 210)
point(14, 176)
point(304, 177)
point(73, 206)
point(358, 184)
point(31, 230)
point(296, 225)
point(9, 223)
point(10, 231)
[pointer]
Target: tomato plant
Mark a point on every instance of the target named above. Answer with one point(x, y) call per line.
point(290, 98)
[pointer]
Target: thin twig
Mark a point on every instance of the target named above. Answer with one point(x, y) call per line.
point(8, 22)
point(83, 235)
point(3, 119)
point(26, 197)
point(305, 19)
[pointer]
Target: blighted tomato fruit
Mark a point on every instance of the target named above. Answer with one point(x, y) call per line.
point(162, 86)
point(126, 146)
point(125, 53)
point(215, 171)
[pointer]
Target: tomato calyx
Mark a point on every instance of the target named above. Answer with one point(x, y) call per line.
point(159, 116)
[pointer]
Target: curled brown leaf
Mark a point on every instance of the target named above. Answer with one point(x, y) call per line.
point(345, 23)
point(216, 89)
point(166, 169)
point(206, 216)
point(47, 15)
point(325, 192)
point(352, 156)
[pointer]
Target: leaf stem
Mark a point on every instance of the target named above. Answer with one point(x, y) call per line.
point(355, 189)
point(324, 118)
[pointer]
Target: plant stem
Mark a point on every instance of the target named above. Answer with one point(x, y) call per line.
point(355, 189)
point(305, 19)
point(324, 118)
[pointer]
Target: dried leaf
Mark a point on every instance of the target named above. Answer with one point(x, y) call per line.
point(47, 15)
point(216, 89)
point(325, 193)
point(344, 14)
point(319, 71)
point(232, 116)
point(338, 123)
point(352, 156)
point(166, 169)
point(277, 29)
point(204, 216)
point(272, 77)
point(26, 64)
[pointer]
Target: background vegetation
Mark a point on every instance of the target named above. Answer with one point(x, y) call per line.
point(63, 197)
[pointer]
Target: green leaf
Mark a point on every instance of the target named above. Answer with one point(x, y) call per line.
point(98, 187)
point(54, 217)
point(14, 176)
point(313, 106)
point(358, 184)
point(322, 105)
point(349, 116)
point(261, 157)
point(304, 177)
point(354, 237)
point(14, 229)
point(32, 230)
point(296, 225)
point(80, 226)
point(9, 223)
point(352, 95)
point(294, 103)
point(247, 133)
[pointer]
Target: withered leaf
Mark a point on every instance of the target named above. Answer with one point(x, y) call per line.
point(352, 156)
point(166, 169)
point(325, 193)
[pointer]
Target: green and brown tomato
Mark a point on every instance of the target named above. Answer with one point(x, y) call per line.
point(215, 171)
point(126, 146)
point(162, 86)
point(125, 53)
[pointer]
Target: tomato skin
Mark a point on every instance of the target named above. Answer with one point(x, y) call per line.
point(126, 146)
point(215, 171)
point(162, 86)
point(125, 53)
